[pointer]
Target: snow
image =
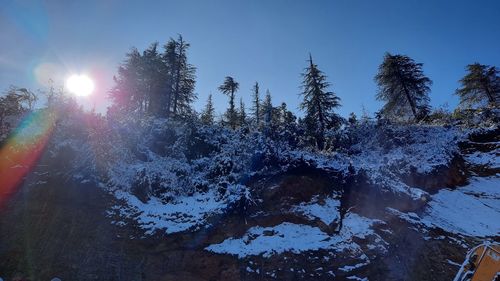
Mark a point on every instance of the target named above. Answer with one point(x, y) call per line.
point(328, 211)
point(348, 268)
point(182, 214)
point(385, 154)
point(491, 159)
point(472, 210)
point(296, 238)
point(357, 278)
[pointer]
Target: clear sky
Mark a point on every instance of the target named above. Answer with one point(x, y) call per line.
point(259, 40)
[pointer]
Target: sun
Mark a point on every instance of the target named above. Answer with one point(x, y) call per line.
point(80, 85)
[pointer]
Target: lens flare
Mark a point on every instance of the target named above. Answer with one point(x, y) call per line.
point(22, 149)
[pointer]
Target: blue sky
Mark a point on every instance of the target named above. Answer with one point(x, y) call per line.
point(266, 41)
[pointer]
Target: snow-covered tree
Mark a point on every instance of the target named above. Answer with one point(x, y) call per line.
point(242, 115)
point(256, 104)
point(267, 110)
point(208, 114)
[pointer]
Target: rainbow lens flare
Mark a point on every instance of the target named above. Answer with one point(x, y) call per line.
point(22, 149)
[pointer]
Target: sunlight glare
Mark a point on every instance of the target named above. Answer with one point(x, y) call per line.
point(80, 85)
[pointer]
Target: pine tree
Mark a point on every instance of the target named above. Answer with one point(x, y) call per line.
point(229, 88)
point(208, 114)
point(403, 87)
point(481, 83)
point(127, 93)
point(181, 78)
point(286, 117)
point(150, 71)
point(267, 109)
point(256, 104)
point(242, 116)
point(318, 103)
point(155, 83)
point(353, 120)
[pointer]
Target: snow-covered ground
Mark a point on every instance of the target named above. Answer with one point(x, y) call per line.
point(328, 210)
point(186, 212)
point(491, 159)
point(472, 210)
point(296, 238)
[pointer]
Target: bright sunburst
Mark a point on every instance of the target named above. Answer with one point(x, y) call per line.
point(80, 85)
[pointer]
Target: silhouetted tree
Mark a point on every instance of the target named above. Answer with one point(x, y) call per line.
point(481, 83)
point(318, 103)
point(256, 104)
point(403, 86)
point(229, 88)
point(182, 76)
point(151, 80)
point(155, 83)
point(127, 94)
point(208, 114)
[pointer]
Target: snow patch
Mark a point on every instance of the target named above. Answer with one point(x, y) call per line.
point(327, 210)
point(472, 210)
point(296, 238)
point(490, 159)
point(183, 213)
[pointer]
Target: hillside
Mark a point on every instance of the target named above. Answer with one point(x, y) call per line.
point(155, 199)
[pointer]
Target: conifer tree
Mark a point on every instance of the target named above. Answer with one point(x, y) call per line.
point(403, 87)
point(242, 114)
point(208, 114)
point(256, 104)
point(151, 81)
point(229, 88)
point(481, 83)
point(127, 93)
point(156, 83)
point(286, 117)
point(318, 103)
point(353, 120)
point(267, 109)
point(181, 77)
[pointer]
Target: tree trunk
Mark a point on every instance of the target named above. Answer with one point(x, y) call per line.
point(408, 97)
point(488, 93)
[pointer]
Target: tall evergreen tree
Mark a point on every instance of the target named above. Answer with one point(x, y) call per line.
point(403, 87)
point(481, 83)
point(182, 77)
point(154, 83)
point(318, 103)
point(256, 104)
point(267, 109)
point(242, 115)
point(151, 81)
point(229, 88)
point(127, 92)
point(208, 114)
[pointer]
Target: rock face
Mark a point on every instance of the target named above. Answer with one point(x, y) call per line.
point(450, 175)
point(301, 197)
